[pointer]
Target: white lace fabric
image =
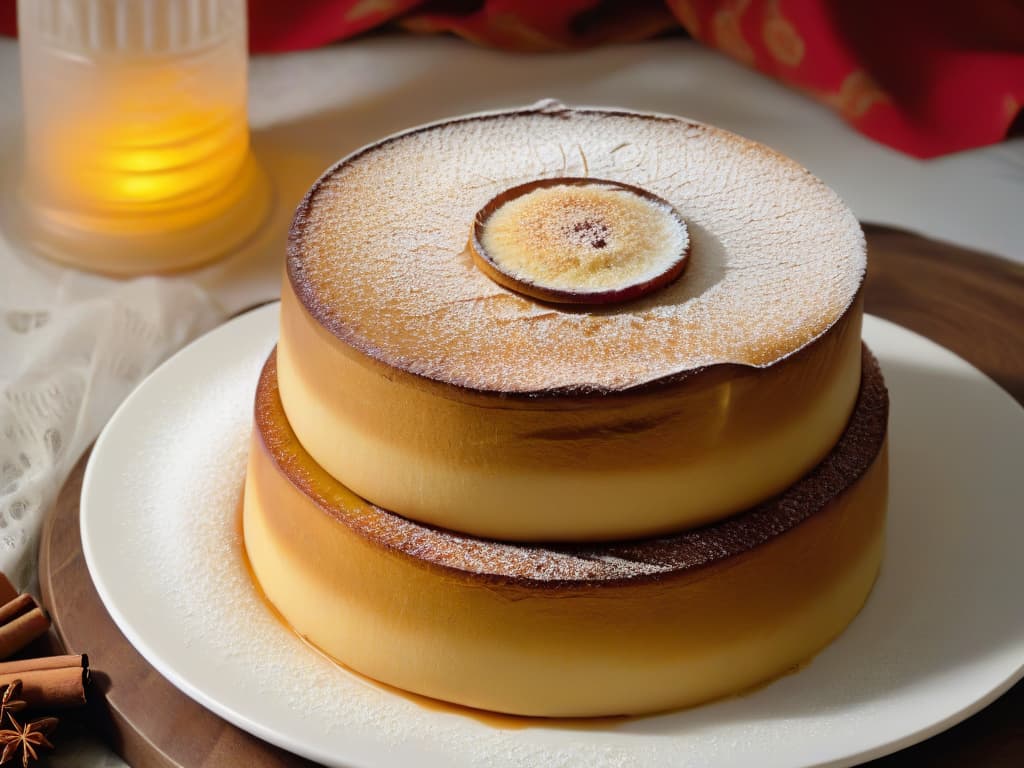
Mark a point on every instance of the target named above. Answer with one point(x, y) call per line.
point(65, 366)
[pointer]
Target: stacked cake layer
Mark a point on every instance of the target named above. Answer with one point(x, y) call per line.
point(631, 337)
point(502, 416)
point(567, 631)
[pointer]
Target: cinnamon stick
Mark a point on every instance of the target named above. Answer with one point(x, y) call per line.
point(50, 688)
point(22, 628)
point(7, 590)
point(45, 662)
point(16, 606)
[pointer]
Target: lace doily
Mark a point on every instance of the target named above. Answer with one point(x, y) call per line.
point(65, 366)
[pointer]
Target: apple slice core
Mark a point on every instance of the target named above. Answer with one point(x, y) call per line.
point(580, 240)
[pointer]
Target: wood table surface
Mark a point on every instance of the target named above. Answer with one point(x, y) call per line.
point(969, 302)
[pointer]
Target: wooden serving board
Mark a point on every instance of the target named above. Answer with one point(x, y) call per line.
point(967, 301)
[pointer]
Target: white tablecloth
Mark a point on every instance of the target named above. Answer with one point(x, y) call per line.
point(308, 109)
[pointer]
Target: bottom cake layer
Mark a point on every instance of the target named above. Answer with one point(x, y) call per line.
point(609, 629)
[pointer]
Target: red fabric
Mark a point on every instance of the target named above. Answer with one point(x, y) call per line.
point(927, 78)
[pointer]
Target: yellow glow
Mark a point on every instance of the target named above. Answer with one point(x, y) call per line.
point(137, 154)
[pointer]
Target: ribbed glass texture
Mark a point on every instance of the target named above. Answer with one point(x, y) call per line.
point(136, 136)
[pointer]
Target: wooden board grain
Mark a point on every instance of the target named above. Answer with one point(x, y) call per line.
point(969, 302)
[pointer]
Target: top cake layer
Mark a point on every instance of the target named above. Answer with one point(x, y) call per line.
point(378, 253)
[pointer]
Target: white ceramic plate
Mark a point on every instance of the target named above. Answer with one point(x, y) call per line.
point(941, 636)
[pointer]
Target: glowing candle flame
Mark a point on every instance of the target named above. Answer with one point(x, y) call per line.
point(137, 153)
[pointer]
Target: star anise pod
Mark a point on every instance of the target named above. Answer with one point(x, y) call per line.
point(27, 738)
point(9, 701)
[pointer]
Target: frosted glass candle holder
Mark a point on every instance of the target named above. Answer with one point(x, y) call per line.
point(137, 154)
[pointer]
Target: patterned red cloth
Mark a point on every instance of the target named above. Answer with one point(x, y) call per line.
point(927, 78)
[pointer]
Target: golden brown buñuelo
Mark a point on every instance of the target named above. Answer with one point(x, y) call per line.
point(605, 629)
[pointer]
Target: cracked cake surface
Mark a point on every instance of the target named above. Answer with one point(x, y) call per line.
point(776, 257)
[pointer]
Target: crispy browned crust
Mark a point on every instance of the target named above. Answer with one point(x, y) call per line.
point(676, 555)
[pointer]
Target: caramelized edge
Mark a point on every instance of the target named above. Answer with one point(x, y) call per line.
point(858, 448)
point(582, 298)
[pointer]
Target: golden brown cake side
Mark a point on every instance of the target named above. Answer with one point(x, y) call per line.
point(619, 628)
point(568, 468)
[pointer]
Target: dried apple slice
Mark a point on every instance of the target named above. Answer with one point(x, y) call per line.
point(580, 241)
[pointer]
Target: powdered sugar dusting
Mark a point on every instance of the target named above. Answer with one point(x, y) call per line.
point(378, 253)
